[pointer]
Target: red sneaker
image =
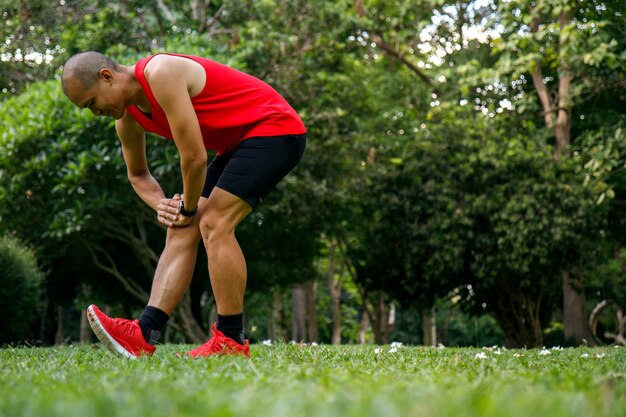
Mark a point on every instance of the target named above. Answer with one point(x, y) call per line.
point(220, 345)
point(122, 337)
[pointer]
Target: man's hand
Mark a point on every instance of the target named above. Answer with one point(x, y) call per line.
point(168, 211)
point(182, 221)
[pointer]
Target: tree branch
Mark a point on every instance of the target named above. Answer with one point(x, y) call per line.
point(540, 86)
point(358, 6)
point(594, 317)
point(130, 286)
point(563, 121)
point(391, 50)
point(166, 11)
point(401, 57)
point(208, 24)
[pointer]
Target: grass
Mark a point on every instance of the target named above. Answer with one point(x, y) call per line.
point(293, 380)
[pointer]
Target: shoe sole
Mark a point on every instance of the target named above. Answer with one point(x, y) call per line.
point(105, 337)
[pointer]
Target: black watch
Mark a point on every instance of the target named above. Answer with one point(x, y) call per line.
point(187, 213)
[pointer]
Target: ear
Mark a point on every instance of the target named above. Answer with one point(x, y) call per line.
point(106, 75)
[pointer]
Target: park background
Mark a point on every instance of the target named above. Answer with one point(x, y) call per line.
point(463, 184)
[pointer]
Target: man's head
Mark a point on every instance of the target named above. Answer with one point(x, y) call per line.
point(92, 80)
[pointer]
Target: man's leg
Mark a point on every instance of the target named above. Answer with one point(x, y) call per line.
point(172, 276)
point(227, 266)
point(248, 174)
point(130, 338)
point(176, 264)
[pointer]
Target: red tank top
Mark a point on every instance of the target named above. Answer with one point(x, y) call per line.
point(233, 106)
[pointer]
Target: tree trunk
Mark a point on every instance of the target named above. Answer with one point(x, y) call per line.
point(59, 337)
point(274, 317)
point(334, 287)
point(382, 322)
point(213, 314)
point(575, 326)
point(336, 318)
point(85, 329)
point(365, 322)
point(517, 313)
point(298, 332)
point(311, 310)
point(575, 319)
point(429, 327)
point(44, 318)
point(576, 330)
point(443, 334)
point(190, 325)
point(282, 325)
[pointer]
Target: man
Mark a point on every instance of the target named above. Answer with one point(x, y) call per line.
point(201, 105)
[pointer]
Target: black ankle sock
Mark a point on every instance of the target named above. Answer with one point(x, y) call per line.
point(231, 326)
point(151, 323)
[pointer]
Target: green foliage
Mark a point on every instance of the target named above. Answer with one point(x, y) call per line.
point(453, 208)
point(316, 381)
point(62, 170)
point(601, 155)
point(20, 290)
point(426, 159)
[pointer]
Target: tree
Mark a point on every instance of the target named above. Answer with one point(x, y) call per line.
point(572, 54)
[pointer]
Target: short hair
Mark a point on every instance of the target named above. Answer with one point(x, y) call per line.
point(85, 67)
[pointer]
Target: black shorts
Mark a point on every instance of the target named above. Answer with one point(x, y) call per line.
point(255, 166)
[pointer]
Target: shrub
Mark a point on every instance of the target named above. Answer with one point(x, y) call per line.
point(20, 289)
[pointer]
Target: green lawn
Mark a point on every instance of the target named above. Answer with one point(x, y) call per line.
point(292, 380)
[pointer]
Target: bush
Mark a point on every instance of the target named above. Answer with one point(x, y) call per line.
point(20, 289)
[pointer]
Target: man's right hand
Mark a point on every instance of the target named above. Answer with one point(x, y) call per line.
point(168, 210)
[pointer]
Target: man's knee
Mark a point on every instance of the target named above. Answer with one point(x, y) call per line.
point(223, 213)
point(215, 225)
point(182, 237)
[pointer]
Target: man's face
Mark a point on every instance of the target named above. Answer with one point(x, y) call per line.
point(104, 98)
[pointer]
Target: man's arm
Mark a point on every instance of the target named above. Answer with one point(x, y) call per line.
point(170, 87)
point(133, 140)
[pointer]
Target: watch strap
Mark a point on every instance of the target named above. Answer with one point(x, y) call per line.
point(187, 213)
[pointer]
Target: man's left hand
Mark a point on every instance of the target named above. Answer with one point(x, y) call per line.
point(168, 210)
point(181, 221)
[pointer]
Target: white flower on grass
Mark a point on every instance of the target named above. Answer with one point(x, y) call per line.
point(544, 352)
point(313, 344)
point(518, 355)
point(556, 348)
point(396, 344)
point(378, 350)
point(599, 355)
point(497, 352)
point(393, 350)
point(480, 355)
point(267, 342)
point(584, 355)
